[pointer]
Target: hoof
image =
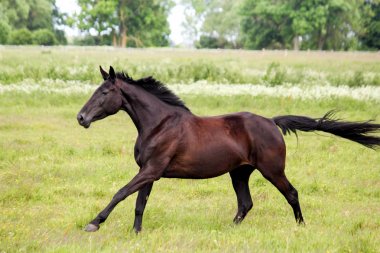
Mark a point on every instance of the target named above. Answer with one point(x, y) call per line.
point(137, 231)
point(238, 219)
point(301, 222)
point(91, 228)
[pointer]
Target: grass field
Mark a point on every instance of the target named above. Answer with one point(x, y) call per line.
point(55, 176)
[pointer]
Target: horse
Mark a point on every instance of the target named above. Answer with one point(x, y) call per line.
point(173, 142)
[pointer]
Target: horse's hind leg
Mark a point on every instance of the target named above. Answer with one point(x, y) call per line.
point(240, 178)
point(275, 174)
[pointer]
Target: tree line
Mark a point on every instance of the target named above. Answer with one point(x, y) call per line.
point(251, 24)
point(30, 22)
point(285, 24)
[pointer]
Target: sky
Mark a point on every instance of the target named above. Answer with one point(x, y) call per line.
point(175, 19)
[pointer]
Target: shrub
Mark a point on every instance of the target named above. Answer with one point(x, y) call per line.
point(274, 75)
point(60, 36)
point(5, 29)
point(21, 37)
point(87, 40)
point(357, 79)
point(44, 37)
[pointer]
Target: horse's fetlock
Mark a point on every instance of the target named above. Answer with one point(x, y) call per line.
point(249, 207)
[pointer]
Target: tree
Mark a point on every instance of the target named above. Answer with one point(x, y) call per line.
point(370, 38)
point(130, 22)
point(194, 15)
point(44, 37)
point(33, 14)
point(97, 15)
point(316, 24)
point(266, 24)
point(21, 37)
point(30, 15)
point(5, 30)
point(215, 22)
point(335, 24)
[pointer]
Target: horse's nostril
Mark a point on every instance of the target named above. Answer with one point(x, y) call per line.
point(80, 118)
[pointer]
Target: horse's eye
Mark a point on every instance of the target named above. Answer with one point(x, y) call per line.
point(105, 92)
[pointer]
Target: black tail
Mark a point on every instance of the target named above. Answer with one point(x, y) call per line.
point(354, 131)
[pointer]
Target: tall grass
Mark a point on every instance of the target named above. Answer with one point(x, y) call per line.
point(188, 66)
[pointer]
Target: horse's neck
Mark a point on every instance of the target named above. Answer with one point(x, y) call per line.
point(145, 109)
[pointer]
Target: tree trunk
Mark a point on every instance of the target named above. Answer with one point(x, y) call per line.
point(296, 43)
point(114, 38)
point(122, 25)
point(321, 42)
point(123, 36)
point(321, 39)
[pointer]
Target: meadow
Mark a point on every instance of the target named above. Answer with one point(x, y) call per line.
point(55, 176)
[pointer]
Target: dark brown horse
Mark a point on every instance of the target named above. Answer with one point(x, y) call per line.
point(172, 142)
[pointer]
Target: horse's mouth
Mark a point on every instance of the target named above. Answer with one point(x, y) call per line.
point(86, 125)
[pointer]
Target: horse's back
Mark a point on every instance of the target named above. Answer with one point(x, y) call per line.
point(253, 131)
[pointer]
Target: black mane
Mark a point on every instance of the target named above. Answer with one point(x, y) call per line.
point(154, 87)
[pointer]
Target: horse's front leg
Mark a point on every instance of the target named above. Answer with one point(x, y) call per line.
point(145, 176)
point(141, 200)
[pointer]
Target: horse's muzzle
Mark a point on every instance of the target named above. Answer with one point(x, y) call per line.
point(82, 120)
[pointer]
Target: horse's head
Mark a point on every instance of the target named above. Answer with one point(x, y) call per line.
point(106, 100)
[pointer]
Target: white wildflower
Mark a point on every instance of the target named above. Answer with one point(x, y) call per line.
point(204, 88)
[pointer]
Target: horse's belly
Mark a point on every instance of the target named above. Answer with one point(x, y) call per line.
point(205, 163)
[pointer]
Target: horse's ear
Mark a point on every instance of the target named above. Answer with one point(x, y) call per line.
point(104, 73)
point(112, 73)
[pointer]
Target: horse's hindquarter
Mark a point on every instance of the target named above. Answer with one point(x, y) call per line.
point(268, 146)
point(210, 147)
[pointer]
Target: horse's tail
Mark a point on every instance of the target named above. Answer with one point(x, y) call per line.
point(354, 131)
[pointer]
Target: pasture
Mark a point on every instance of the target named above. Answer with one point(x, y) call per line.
point(55, 176)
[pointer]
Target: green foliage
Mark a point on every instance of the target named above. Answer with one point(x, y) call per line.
point(274, 75)
point(44, 37)
point(279, 24)
point(21, 37)
point(327, 24)
point(15, 13)
point(214, 42)
point(5, 31)
point(32, 15)
point(128, 23)
point(266, 24)
point(220, 26)
point(87, 40)
point(148, 23)
point(208, 42)
point(98, 15)
point(370, 37)
point(60, 37)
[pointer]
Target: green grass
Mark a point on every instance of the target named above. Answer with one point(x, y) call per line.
point(55, 176)
point(188, 66)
